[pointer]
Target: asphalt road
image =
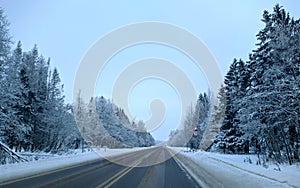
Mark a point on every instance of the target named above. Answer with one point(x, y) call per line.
point(154, 167)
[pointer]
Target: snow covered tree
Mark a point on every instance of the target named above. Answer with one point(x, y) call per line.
point(113, 123)
point(6, 114)
point(5, 43)
point(215, 123)
point(197, 116)
point(104, 124)
point(177, 138)
point(203, 109)
point(33, 115)
point(16, 130)
point(263, 107)
point(181, 137)
point(218, 110)
point(236, 84)
point(271, 106)
point(53, 114)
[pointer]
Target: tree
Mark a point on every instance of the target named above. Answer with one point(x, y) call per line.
point(197, 116)
point(6, 114)
point(33, 115)
point(210, 136)
point(203, 109)
point(236, 84)
point(5, 43)
point(273, 98)
point(263, 107)
point(102, 123)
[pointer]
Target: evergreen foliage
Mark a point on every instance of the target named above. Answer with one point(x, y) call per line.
point(34, 116)
point(263, 94)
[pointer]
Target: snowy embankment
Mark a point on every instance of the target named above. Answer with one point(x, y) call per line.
point(242, 169)
point(50, 162)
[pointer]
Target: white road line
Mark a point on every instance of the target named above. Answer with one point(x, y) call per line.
point(117, 176)
point(122, 173)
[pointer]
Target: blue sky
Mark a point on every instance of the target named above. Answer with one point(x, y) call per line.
point(65, 30)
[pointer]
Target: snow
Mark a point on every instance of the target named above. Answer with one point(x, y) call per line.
point(238, 167)
point(47, 163)
point(232, 168)
point(50, 162)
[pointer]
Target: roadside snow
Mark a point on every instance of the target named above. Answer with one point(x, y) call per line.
point(46, 164)
point(235, 170)
point(284, 174)
point(106, 152)
point(238, 167)
point(50, 162)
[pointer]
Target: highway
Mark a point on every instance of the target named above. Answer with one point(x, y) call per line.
point(153, 167)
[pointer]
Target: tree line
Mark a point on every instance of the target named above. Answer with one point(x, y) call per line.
point(197, 117)
point(258, 109)
point(103, 124)
point(263, 94)
point(34, 116)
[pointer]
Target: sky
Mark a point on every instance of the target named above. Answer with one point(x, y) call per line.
point(66, 30)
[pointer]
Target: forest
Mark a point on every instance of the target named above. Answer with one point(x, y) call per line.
point(258, 108)
point(34, 116)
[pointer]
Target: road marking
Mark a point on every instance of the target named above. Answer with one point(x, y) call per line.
point(110, 160)
point(106, 163)
point(50, 171)
point(119, 175)
point(146, 180)
point(201, 182)
point(123, 172)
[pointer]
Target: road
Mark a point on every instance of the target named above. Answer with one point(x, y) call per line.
point(154, 167)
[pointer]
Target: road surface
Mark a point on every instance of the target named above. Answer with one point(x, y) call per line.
point(154, 167)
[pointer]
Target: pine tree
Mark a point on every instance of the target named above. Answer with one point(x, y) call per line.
point(102, 123)
point(33, 115)
point(236, 84)
point(262, 110)
point(54, 113)
point(6, 113)
point(203, 105)
point(5, 43)
point(17, 128)
point(211, 140)
point(273, 98)
point(197, 117)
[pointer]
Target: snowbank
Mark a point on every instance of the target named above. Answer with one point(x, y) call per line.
point(49, 162)
point(21, 170)
point(285, 175)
